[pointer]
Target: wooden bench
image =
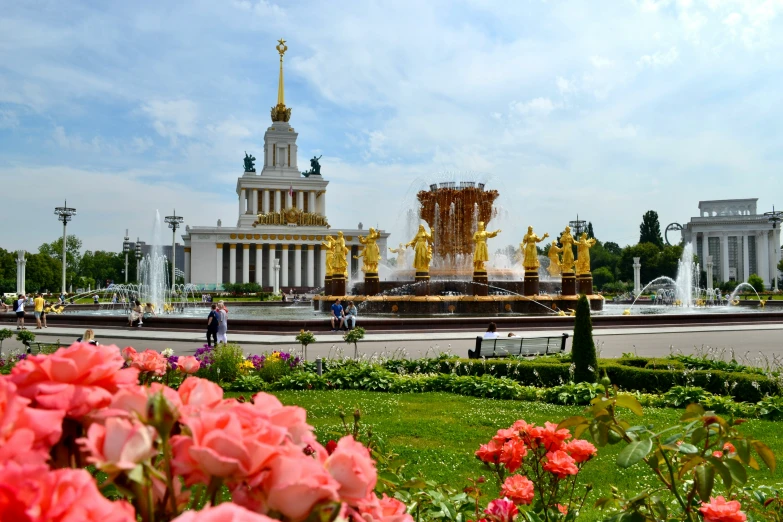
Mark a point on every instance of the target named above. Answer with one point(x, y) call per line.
point(518, 346)
point(43, 346)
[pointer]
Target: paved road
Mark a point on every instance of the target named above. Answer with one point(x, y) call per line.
point(751, 343)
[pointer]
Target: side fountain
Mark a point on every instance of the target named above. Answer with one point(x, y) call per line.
point(451, 270)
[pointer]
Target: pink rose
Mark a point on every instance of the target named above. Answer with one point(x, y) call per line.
point(393, 510)
point(196, 393)
point(127, 353)
point(352, 466)
point(188, 364)
point(150, 361)
point(580, 450)
point(560, 464)
point(501, 510)
point(77, 379)
point(718, 510)
point(119, 445)
point(490, 452)
point(133, 401)
point(65, 495)
point(514, 451)
point(296, 483)
point(293, 418)
point(373, 509)
point(518, 489)
point(226, 512)
point(552, 438)
point(26, 434)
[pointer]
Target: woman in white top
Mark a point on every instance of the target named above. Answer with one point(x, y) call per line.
point(491, 332)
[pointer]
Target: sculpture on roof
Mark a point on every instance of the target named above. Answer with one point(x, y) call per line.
point(315, 167)
point(250, 162)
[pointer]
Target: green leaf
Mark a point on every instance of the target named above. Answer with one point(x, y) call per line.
point(743, 449)
point(634, 452)
point(738, 472)
point(705, 480)
point(630, 402)
point(692, 411)
point(571, 422)
point(722, 470)
point(765, 453)
point(688, 449)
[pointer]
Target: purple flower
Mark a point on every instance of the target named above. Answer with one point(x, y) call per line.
point(257, 360)
point(173, 361)
point(21, 357)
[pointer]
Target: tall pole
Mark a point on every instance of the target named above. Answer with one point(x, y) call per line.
point(775, 217)
point(174, 222)
point(126, 249)
point(138, 260)
point(64, 214)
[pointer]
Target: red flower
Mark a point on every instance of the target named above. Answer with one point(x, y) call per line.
point(518, 489)
point(331, 446)
point(553, 438)
point(489, 452)
point(501, 510)
point(718, 510)
point(560, 464)
point(512, 454)
point(580, 450)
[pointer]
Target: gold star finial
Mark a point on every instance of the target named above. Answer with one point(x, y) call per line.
point(280, 112)
point(281, 47)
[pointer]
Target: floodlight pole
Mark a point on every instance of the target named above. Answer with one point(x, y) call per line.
point(64, 214)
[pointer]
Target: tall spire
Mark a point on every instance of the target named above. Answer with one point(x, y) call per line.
point(279, 111)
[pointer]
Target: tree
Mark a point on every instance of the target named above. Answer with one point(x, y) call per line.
point(602, 276)
point(589, 230)
point(756, 282)
point(648, 257)
point(613, 248)
point(583, 347)
point(668, 260)
point(101, 266)
point(650, 229)
point(780, 265)
point(72, 254)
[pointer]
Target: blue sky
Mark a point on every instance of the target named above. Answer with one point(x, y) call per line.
point(601, 108)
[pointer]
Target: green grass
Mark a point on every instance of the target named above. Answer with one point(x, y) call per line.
point(437, 433)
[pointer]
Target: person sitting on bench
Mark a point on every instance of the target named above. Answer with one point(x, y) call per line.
point(491, 332)
point(350, 315)
point(337, 315)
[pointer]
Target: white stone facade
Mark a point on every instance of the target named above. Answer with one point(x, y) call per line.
point(740, 241)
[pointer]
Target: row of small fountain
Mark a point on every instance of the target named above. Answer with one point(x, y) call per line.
point(451, 270)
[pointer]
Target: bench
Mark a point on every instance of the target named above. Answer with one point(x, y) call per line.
point(518, 346)
point(44, 347)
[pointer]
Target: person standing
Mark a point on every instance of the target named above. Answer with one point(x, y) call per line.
point(222, 333)
point(213, 320)
point(38, 304)
point(20, 302)
point(46, 310)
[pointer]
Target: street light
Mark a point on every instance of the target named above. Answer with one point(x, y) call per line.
point(174, 222)
point(126, 246)
point(64, 214)
point(775, 217)
point(577, 226)
point(138, 260)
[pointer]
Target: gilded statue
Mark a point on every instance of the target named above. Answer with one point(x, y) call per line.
point(554, 259)
point(583, 247)
point(422, 249)
point(400, 251)
point(291, 216)
point(372, 254)
point(567, 240)
point(329, 249)
point(480, 252)
point(528, 246)
point(339, 259)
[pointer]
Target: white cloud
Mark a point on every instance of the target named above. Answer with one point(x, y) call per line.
point(173, 118)
point(8, 119)
point(659, 58)
point(600, 62)
point(536, 106)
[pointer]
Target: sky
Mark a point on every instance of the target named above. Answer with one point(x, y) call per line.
point(601, 108)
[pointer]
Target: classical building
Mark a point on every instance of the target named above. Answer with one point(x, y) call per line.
point(281, 220)
point(739, 240)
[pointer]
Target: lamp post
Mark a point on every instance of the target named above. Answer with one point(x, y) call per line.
point(64, 214)
point(126, 248)
point(775, 217)
point(138, 260)
point(577, 226)
point(174, 222)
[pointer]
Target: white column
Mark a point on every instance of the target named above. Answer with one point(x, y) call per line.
point(298, 265)
point(322, 268)
point(762, 254)
point(271, 265)
point(311, 201)
point(232, 263)
point(254, 201)
point(187, 265)
point(300, 199)
point(775, 256)
point(637, 277)
point(705, 247)
point(288, 199)
point(284, 267)
point(265, 201)
point(241, 201)
point(724, 257)
point(277, 201)
point(745, 257)
point(219, 273)
point(246, 263)
point(310, 266)
point(259, 264)
point(21, 268)
point(709, 272)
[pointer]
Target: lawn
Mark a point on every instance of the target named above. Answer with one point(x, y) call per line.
point(437, 433)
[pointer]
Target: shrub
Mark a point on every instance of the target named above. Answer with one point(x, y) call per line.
point(583, 348)
point(25, 337)
point(226, 363)
point(756, 282)
point(5, 333)
point(602, 276)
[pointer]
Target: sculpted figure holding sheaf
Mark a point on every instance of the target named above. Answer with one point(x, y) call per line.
point(567, 240)
point(480, 252)
point(422, 249)
point(528, 246)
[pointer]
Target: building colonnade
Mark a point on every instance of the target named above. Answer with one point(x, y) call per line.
point(256, 200)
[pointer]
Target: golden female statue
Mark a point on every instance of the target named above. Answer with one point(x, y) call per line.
point(528, 246)
point(371, 254)
point(339, 260)
point(583, 250)
point(422, 248)
point(554, 259)
point(567, 240)
point(329, 248)
point(481, 253)
point(400, 251)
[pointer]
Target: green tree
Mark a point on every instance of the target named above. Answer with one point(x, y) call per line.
point(602, 276)
point(601, 256)
point(583, 347)
point(650, 229)
point(668, 260)
point(43, 273)
point(7, 271)
point(72, 255)
point(780, 265)
point(589, 230)
point(648, 257)
point(101, 266)
point(756, 282)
